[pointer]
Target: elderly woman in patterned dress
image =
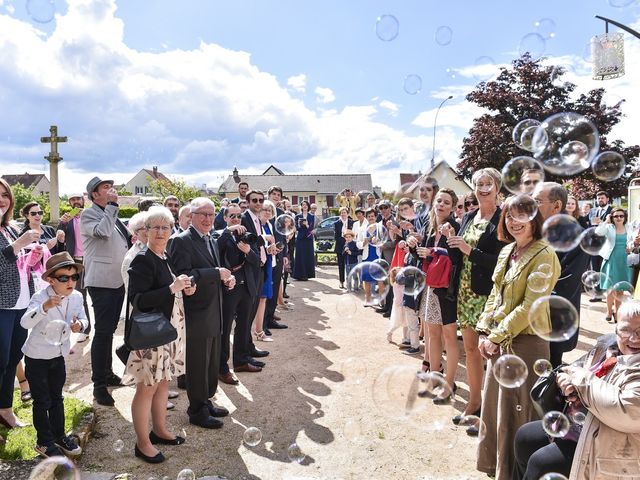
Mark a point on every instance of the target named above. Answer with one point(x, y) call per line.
point(153, 286)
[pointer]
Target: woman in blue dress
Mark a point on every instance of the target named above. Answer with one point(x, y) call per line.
point(369, 254)
point(305, 262)
point(268, 211)
point(614, 252)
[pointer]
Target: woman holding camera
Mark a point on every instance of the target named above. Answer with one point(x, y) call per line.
point(305, 262)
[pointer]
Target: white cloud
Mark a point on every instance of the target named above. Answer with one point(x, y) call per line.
point(392, 108)
point(298, 83)
point(324, 95)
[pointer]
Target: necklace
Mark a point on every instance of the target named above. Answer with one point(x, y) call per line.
point(517, 252)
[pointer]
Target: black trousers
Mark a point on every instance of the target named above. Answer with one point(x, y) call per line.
point(537, 456)
point(236, 304)
point(107, 305)
point(46, 379)
point(12, 338)
point(202, 367)
point(340, 257)
point(272, 303)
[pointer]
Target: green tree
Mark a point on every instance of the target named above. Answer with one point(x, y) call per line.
point(122, 191)
point(177, 188)
point(24, 195)
point(531, 90)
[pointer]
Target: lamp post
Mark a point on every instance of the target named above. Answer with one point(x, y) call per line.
point(435, 125)
point(607, 51)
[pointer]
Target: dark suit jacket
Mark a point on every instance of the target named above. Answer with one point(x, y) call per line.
point(189, 255)
point(232, 257)
point(247, 222)
point(279, 237)
point(483, 257)
point(602, 213)
point(69, 236)
point(219, 222)
point(149, 278)
point(337, 234)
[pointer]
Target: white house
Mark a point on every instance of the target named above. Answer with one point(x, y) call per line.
point(38, 181)
point(139, 184)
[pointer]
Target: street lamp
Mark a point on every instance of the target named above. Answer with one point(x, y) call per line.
point(435, 124)
point(607, 51)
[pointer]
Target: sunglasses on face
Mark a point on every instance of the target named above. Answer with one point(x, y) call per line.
point(617, 216)
point(234, 215)
point(469, 203)
point(384, 207)
point(257, 200)
point(65, 278)
point(38, 213)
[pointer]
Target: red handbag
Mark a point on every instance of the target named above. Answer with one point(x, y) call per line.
point(437, 271)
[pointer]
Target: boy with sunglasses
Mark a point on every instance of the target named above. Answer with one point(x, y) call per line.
point(53, 313)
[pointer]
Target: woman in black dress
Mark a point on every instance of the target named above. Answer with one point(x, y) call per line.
point(305, 262)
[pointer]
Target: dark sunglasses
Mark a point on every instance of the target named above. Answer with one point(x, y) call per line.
point(33, 214)
point(617, 216)
point(235, 215)
point(384, 207)
point(65, 278)
point(468, 204)
point(257, 200)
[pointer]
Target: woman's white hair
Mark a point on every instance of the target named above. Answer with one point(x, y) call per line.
point(137, 222)
point(157, 214)
point(628, 310)
point(271, 206)
point(200, 202)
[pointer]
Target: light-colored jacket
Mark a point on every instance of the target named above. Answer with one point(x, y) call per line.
point(36, 319)
point(128, 258)
point(506, 312)
point(609, 231)
point(104, 247)
point(609, 445)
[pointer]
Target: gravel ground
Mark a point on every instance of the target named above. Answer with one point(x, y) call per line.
point(318, 390)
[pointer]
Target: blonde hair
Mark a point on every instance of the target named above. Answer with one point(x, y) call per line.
point(490, 172)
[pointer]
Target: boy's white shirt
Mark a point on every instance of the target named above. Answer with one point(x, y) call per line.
point(36, 319)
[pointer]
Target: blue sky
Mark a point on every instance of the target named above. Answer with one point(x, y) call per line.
point(199, 86)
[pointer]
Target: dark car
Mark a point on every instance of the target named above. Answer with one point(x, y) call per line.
point(324, 230)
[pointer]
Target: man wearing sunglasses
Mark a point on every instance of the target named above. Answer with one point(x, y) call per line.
point(106, 241)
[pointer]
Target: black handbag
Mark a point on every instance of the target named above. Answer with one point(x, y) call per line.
point(147, 329)
point(546, 395)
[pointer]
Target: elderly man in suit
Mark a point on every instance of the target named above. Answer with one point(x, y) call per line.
point(341, 226)
point(106, 241)
point(195, 253)
point(70, 225)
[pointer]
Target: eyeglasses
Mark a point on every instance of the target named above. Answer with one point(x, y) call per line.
point(65, 278)
point(39, 213)
point(471, 202)
point(628, 333)
point(530, 182)
point(384, 207)
point(459, 206)
point(234, 215)
point(159, 228)
point(257, 200)
point(617, 216)
point(204, 214)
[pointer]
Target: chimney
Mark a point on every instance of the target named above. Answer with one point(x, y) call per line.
point(236, 177)
point(155, 171)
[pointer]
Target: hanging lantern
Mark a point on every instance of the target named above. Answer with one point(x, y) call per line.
point(607, 51)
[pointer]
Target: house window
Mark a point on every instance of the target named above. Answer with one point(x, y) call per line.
point(312, 199)
point(330, 200)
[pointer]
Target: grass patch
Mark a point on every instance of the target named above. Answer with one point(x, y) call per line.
point(20, 441)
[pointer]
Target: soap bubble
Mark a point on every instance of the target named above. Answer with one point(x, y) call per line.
point(285, 224)
point(346, 306)
point(387, 27)
point(578, 417)
point(434, 386)
point(621, 3)
point(526, 139)
point(377, 234)
point(510, 371)
point(412, 279)
point(444, 35)
point(556, 149)
point(553, 318)
point(450, 73)
point(186, 474)
point(118, 446)
point(295, 453)
point(59, 468)
point(56, 332)
point(545, 269)
point(542, 367)
point(474, 421)
point(622, 291)
point(363, 195)
point(412, 84)
point(538, 282)
point(252, 436)
point(519, 129)
point(592, 279)
point(484, 68)
point(366, 271)
point(380, 275)
point(533, 44)
point(522, 208)
point(546, 28)
point(591, 242)
point(395, 390)
point(519, 175)
point(354, 370)
point(608, 166)
point(553, 476)
point(41, 11)
point(555, 424)
point(562, 231)
point(183, 433)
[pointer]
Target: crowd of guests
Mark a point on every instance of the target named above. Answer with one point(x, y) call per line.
point(208, 272)
point(477, 252)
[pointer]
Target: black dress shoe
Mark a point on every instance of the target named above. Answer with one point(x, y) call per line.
point(103, 397)
point(159, 458)
point(259, 353)
point(217, 411)
point(155, 439)
point(386, 314)
point(285, 295)
point(256, 363)
point(114, 380)
point(267, 332)
point(182, 382)
point(205, 420)
point(277, 325)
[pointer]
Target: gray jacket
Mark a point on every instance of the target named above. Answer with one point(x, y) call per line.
point(104, 247)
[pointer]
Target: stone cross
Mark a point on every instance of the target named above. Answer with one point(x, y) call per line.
point(54, 158)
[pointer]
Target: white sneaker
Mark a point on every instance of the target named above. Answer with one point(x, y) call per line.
point(82, 337)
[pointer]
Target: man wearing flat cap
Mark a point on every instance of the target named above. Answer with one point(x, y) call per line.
point(106, 241)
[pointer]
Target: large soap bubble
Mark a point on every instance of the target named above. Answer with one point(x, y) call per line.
point(523, 208)
point(412, 279)
point(562, 231)
point(41, 11)
point(560, 130)
point(59, 468)
point(546, 28)
point(556, 424)
point(510, 371)
point(553, 318)
point(285, 224)
point(520, 128)
point(412, 84)
point(443, 35)
point(252, 436)
point(387, 27)
point(56, 332)
point(521, 174)
point(591, 242)
point(608, 166)
point(533, 44)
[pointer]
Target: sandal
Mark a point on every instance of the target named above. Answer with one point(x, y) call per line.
point(426, 364)
point(25, 396)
